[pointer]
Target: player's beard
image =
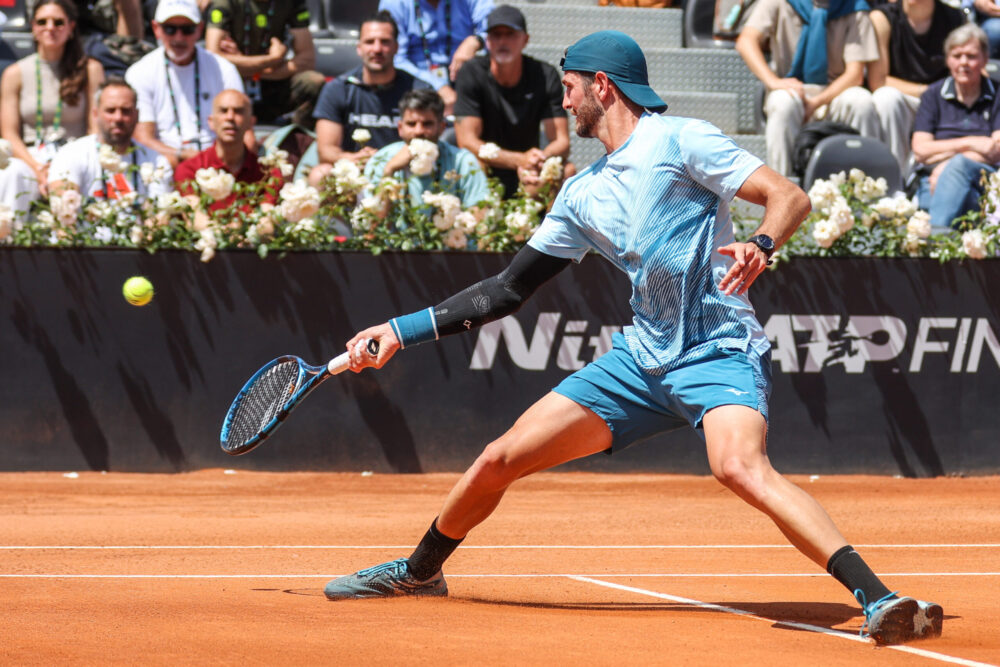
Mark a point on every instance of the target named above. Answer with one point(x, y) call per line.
point(588, 115)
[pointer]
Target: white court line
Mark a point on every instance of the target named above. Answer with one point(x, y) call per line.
point(800, 626)
point(67, 547)
point(627, 575)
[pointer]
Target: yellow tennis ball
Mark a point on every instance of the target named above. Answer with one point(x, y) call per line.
point(138, 291)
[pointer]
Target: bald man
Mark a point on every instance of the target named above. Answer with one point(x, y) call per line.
point(232, 116)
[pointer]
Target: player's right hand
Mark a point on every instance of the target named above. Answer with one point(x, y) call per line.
point(361, 359)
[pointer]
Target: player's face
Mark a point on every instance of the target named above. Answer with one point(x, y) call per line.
point(579, 100)
point(179, 45)
point(505, 44)
point(376, 46)
point(231, 116)
point(416, 124)
point(116, 115)
point(965, 62)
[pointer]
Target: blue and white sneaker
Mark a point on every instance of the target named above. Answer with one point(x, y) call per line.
point(385, 581)
point(894, 620)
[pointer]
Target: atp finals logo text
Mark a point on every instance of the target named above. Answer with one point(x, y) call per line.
point(800, 343)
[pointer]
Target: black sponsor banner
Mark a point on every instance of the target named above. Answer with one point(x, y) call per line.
point(879, 366)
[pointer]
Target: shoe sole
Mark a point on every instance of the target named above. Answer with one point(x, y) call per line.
point(929, 621)
point(899, 623)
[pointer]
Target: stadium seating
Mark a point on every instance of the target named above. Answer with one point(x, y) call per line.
point(843, 152)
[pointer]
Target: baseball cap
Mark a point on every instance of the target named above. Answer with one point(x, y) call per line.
point(505, 15)
point(617, 55)
point(168, 9)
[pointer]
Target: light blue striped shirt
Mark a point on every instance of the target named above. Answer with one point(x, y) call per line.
point(658, 209)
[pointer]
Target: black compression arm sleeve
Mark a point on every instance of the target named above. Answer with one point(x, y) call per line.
point(500, 295)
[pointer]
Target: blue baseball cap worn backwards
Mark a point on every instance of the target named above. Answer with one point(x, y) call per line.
point(617, 55)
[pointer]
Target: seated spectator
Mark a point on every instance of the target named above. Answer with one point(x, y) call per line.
point(117, 29)
point(366, 98)
point(437, 37)
point(82, 165)
point(956, 133)
point(817, 74)
point(44, 101)
point(232, 117)
point(911, 38)
point(176, 83)
point(251, 35)
point(423, 118)
point(988, 16)
point(504, 97)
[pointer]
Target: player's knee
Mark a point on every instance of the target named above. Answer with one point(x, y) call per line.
point(493, 469)
point(741, 475)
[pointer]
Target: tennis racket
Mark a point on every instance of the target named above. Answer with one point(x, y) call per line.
point(271, 394)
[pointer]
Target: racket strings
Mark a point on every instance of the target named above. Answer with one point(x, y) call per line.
point(262, 401)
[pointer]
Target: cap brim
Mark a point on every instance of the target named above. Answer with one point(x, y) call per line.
point(642, 95)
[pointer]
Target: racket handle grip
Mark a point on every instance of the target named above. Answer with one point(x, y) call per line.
point(342, 362)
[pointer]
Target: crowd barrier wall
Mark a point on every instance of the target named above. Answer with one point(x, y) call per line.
point(879, 366)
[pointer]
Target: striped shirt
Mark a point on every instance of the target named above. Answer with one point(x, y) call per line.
point(658, 209)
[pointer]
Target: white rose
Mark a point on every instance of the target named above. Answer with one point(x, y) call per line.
point(298, 200)
point(103, 234)
point(147, 172)
point(6, 222)
point(215, 183)
point(842, 215)
point(822, 194)
point(825, 232)
point(466, 221)
point(361, 136)
point(456, 239)
point(136, 235)
point(919, 224)
point(912, 243)
point(110, 160)
point(347, 177)
point(974, 243)
point(423, 156)
point(552, 169)
point(489, 151)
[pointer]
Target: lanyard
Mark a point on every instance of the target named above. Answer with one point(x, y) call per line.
point(197, 98)
point(119, 185)
point(423, 34)
point(265, 40)
point(39, 121)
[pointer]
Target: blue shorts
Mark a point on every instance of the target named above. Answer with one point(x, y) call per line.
point(636, 405)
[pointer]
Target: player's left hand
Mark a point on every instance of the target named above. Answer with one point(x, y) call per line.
point(749, 262)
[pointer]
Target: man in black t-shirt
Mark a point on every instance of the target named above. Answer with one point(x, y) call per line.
point(502, 100)
point(366, 99)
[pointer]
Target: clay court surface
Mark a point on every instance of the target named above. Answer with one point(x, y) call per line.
point(219, 568)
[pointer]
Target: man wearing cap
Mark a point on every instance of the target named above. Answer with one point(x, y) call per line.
point(657, 207)
point(177, 82)
point(504, 98)
point(818, 73)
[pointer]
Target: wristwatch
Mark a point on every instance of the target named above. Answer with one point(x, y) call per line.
point(765, 243)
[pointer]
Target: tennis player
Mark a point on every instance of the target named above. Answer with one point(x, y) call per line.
point(657, 207)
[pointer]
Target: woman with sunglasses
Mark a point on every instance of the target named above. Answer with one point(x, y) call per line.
point(44, 101)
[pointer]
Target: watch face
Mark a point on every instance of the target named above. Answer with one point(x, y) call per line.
point(766, 243)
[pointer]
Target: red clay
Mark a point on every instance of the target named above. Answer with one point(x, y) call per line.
point(275, 613)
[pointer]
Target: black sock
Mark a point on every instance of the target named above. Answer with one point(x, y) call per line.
point(431, 553)
point(850, 569)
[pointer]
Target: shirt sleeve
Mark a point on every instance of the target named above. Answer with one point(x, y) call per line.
point(472, 179)
point(714, 160)
point(184, 175)
point(860, 42)
point(763, 17)
point(163, 185)
point(926, 118)
point(330, 104)
point(66, 165)
point(220, 15)
point(231, 79)
point(559, 235)
point(480, 10)
point(143, 85)
point(299, 17)
point(553, 93)
point(467, 91)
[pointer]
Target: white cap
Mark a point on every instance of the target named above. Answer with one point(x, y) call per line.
point(168, 9)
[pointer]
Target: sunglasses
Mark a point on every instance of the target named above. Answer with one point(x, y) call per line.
point(170, 30)
point(58, 23)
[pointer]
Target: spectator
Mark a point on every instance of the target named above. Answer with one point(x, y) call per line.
point(817, 74)
point(911, 38)
point(118, 17)
point(988, 15)
point(423, 118)
point(177, 82)
point(44, 101)
point(504, 98)
point(366, 98)
point(251, 34)
point(437, 37)
point(232, 117)
point(82, 165)
point(956, 133)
